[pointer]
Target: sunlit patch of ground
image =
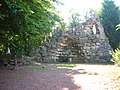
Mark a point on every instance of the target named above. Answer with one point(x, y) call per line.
point(94, 77)
point(61, 77)
point(97, 77)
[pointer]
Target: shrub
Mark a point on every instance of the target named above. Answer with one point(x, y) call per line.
point(116, 56)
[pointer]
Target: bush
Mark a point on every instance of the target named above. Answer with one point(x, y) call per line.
point(116, 56)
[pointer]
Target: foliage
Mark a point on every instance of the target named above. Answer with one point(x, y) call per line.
point(24, 24)
point(63, 25)
point(110, 17)
point(74, 20)
point(116, 56)
point(118, 27)
point(90, 13)
point(116, 59)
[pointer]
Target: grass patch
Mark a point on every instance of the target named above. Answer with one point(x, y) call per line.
point(37, 68)
point(67, 65)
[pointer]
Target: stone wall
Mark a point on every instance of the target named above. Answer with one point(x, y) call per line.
point(86, 44)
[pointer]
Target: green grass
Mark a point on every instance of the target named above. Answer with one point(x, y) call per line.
point(37, 68)
point(67, 65)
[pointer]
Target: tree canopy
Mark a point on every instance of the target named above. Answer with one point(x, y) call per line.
point(74, 19)
point(24, 24)
point(110, 17)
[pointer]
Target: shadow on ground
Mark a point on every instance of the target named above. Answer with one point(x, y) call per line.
point(56, 77)
point(36, 78)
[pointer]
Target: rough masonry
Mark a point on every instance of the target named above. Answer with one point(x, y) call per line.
point(86, 44)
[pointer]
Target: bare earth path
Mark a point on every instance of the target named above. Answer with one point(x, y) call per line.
point(81, 77)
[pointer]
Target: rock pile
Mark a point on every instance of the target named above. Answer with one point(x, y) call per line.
point(86, 44)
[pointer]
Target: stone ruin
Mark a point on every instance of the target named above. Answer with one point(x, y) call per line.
point(86, 44)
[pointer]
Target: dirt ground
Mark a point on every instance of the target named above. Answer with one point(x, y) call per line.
point(52, 77)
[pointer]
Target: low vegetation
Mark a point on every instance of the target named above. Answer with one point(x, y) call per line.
point(116, 57)
point(67, 65)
